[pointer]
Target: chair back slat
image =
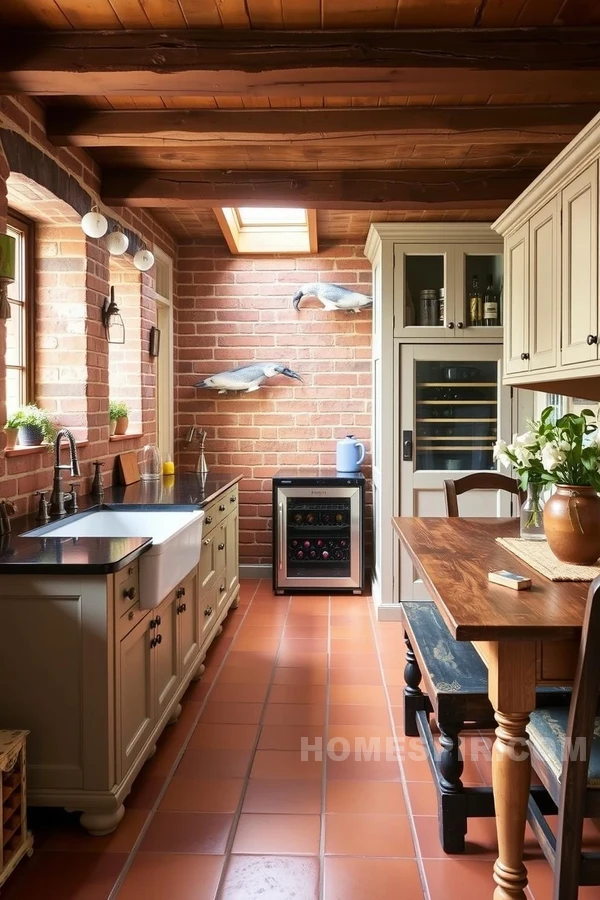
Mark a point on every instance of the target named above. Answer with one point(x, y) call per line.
point(581, 721)
point(479, 481)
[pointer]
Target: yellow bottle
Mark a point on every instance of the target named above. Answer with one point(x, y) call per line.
point(168, 466)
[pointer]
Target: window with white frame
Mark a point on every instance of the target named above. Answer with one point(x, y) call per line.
point(19, 328)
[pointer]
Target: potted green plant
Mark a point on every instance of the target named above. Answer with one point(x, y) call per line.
point(35, 426)
point(12, 429)
point(565, 453)
point(118, 413)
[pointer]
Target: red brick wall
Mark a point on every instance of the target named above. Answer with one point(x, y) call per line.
point(72, 353)
point(233, 310)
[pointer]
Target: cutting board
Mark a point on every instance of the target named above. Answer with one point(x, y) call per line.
point(127, 467)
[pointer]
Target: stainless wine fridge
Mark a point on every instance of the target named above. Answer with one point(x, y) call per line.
point(318, 531)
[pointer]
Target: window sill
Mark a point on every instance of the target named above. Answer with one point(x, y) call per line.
point(38, 448)
point(126, 437)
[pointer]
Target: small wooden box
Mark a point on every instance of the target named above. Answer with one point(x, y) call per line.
point(16, 840)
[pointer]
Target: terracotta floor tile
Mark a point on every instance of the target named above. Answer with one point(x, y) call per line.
point(223, 737)
point(68, 876)
point(394, 677)
point(272, 878)
point(294, 658)
point(218, 795)
point(297, 693)
point(262, 632)
point(214, 763)
point(371, 879)
point(232, 713)
point(352, 769)
point(248, 659)
point(71, 836)
point(156, 876)
point(361, 659)
point(187, 832)
point(363, 694)
point(362, 645)
point(268, 619)
point(286, 834)
point(351, 675)
point(377, 797)
point(304, 645)
point(459, 879)
point(276, 795)
point(260, 673)
point(285, 764)
point(238, 693)
point(422, 798)
point(355, 714)
point(145, 791)
point(300, 675)
point(294, 714)
point(364, 736)
point(395, 694)
point(288, 737)
point(366, 834)
point(317, 629)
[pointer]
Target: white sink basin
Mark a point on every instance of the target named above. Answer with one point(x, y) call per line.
point(176, 541)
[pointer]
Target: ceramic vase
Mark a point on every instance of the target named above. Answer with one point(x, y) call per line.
point(121, 425)
point(572, 524)
point(30, 435)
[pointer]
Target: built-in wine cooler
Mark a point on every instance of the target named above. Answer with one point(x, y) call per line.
point(318, 533)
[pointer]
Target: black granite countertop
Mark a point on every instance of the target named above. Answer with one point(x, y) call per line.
point(92, 556)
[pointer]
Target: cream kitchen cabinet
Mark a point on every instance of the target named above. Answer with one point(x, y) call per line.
point(552, 308)
point(434, 271)
point(99, 677)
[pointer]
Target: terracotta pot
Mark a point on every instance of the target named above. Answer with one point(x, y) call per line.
point(11, 438)
point(121, 426)
point(572, 524)
point(112, 426)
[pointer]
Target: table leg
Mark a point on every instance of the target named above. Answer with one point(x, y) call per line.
point(511, 778)
point(511, 688)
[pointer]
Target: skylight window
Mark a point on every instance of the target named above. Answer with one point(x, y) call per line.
point(262, 229)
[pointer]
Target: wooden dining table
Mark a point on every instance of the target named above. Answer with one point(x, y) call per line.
point(525, 638)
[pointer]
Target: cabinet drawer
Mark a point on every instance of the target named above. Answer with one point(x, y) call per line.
point(207, 567)
point(130, 618)
point(208, 611)
point(126, 588)
point(557, 660)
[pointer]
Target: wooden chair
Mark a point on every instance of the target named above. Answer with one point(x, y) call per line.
point(455, 683)
point(571, 778)
point(479, 481)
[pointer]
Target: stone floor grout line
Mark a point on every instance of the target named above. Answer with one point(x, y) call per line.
point(409, 812)
point(168, 778)
point(322, 835)
point(238, 812)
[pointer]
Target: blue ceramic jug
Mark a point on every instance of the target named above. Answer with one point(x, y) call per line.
point(349, 454)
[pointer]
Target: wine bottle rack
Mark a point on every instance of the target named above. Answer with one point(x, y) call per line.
point(318, 550)
point(16, 839)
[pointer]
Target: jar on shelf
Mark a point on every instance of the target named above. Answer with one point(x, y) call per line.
point(150, 463)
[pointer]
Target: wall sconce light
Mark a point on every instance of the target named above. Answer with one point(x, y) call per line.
point(94, 224)
point(112, 321)
point(7, 271)
point(143, 259)
point(117, 242)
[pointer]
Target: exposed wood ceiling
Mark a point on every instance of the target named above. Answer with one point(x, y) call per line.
point(376, 125)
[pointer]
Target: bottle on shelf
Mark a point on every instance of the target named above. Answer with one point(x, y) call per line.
point(475, 303)
point(490, 304)
point(441, 305)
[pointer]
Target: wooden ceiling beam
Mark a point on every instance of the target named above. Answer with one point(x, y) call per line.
point(191, 128)
point(402, 189)
point(300, 63)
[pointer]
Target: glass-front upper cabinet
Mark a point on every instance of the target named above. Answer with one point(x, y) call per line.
point(448, 291)
point(480, 287)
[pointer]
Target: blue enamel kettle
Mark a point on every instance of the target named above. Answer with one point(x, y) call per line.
point(349, 454)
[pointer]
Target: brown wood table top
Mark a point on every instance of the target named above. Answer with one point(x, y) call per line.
point(454, 556)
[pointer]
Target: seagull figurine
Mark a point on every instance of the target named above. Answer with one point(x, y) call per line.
point(246, 378)
point(333, 296)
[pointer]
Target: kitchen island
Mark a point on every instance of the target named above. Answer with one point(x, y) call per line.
point(94, 675)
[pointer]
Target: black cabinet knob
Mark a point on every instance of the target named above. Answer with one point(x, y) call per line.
point(152, 623)
point(459, 325)
point(153, 643)
point(159, 638)
point(232, 499)
point(208, 611)
point(208, 520)
point(158, 620)
point(181, 592)
point(222, 589)
point(524, 356)
point(222, 507)
point(592, 339)
point(450, 325)
point(129, 593)
point(221, 546)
